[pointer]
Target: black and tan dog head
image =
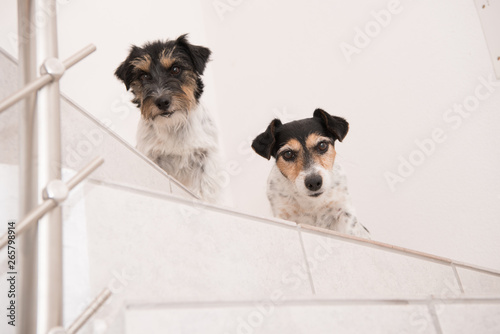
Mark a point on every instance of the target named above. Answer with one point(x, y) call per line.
point(304, 150)
point(165, 77)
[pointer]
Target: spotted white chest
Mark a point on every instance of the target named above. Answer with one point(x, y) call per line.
point(332, 210)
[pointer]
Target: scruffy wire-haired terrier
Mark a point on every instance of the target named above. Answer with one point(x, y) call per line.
point(175, 130)
point(306, 185)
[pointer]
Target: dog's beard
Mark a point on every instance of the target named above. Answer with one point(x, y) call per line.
point(174, 118)
point(173, 122)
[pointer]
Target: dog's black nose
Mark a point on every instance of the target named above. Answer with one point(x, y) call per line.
point(163, 103)
point(313, 182)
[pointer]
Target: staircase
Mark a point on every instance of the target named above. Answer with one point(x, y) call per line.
point(176, 265)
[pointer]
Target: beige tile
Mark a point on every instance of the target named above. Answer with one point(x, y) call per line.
point(179, 190)
point(477, 282)
point(469, 318)
point(153, 249)
point(341, 268)
point(290, 319)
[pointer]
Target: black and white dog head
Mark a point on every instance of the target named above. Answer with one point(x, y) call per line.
point(165, 78)
point(304, 150)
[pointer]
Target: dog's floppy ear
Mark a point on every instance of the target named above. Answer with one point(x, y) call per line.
point(199, 55)
point(337, 126)
point(124, 72)
point(264, 143)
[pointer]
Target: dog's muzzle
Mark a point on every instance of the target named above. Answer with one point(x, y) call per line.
point(163, 103)
point(314, 183)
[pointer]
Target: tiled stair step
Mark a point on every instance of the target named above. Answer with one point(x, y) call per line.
point(436, 316)
point(168, 249)
point(195, 251)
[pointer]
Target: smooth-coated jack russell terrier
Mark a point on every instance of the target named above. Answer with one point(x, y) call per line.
point(174, 131)
point(306, 185)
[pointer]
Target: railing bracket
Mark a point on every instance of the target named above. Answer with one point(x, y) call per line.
point(54, 67)
point(56, 190)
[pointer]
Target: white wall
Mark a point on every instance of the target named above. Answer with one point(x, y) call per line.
point(284, 58)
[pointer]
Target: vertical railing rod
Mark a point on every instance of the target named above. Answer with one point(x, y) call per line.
point(40, 247)
point(50, 277)
point(27, 243)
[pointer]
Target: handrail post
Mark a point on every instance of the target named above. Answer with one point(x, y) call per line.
point(54, 194)
point(27, 273)
point(57, 69)
point(50, 279)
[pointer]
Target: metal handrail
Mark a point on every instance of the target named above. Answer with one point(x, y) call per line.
point(82, 319)
point(40, 294)
point(51, 203)
point(89, 311)
point(44, 79)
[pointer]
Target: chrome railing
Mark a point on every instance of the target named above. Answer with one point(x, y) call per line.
point(52, 70)
point(54, 194)
point(40, 278)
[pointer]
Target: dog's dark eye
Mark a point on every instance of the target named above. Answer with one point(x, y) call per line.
point(176, 70)
point(145, 77)
point(288, 155)
point(322, 147)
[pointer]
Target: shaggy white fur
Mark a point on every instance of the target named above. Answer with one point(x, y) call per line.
point(185, 145)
